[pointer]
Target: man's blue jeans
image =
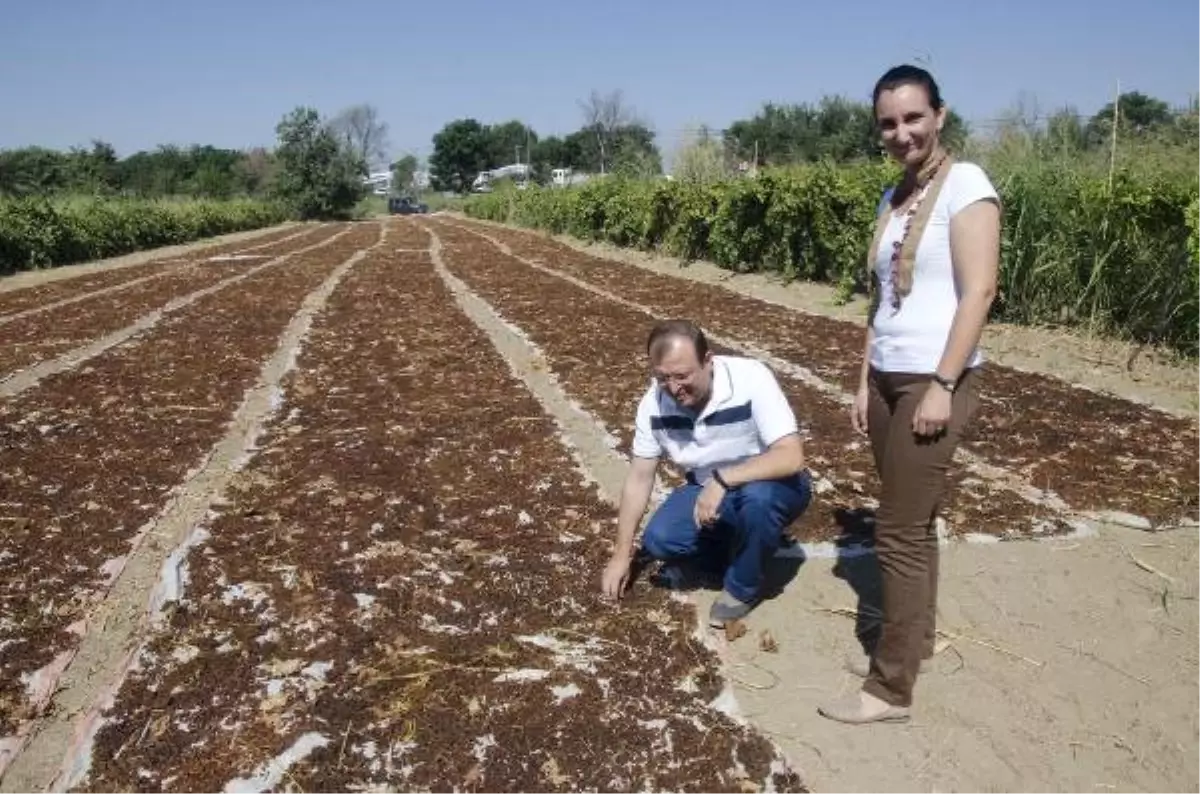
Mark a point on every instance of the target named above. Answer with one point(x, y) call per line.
point(748, 531)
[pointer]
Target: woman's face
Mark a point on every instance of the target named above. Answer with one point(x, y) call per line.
point(908, 124)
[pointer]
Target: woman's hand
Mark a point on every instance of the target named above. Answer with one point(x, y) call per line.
point(858, 411)
point(933, 413)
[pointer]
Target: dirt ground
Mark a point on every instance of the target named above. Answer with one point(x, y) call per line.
point(1104, 698)
point(29, 278)
point(1070, 664)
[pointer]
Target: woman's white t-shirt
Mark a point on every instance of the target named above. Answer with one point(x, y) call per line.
point(913, 338)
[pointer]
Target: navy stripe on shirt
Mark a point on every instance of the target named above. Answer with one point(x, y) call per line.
point(729, 416)
point(726, 416)
point(671, 422)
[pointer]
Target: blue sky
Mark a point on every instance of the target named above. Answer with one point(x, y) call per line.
point(139, 73)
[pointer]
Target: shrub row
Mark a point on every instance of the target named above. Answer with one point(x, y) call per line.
point(37, 233)
point(1119, 260)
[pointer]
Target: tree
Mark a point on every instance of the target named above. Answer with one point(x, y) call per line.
point(93, 170)
point(403, 172)
point(362, 132)
point(461, 149)
point(256, 170)
point(702, 161)
point(507, 141)
point(1137, 115)
point(1184, 129)
point(836, 128)
point(550, 153)
point(318, 175)
point(1065, 132)
point(33, 170)
point(955, 131)
point(603, 115)
point(629, 149)
point(634, 152)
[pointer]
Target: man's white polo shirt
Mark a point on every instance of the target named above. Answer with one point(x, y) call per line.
point(746, 413)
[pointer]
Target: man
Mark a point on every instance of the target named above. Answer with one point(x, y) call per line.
point(725, 421)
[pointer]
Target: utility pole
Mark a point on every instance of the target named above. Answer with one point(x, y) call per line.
point(1112, 161)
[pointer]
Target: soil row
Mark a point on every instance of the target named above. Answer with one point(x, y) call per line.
point(20, 300)
point(400, 593)
point(596, 348)
point(31, 340)
point(91, 455)
point(1095, 450)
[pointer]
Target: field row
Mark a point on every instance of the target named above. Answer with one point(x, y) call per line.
point(94, 453)
point(396, 590)
point(1094, 450)
point(20, 300)
point(595, 347)
point(36, 337)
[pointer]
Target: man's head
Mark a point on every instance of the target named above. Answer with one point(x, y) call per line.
point(681, 362)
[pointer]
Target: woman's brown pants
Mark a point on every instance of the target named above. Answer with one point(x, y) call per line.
point(913, 471)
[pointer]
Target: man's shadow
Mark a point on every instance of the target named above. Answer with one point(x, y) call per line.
point(860, 570)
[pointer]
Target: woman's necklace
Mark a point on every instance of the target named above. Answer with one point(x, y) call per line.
point(924, 180)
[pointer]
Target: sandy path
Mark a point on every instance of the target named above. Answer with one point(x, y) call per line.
point(1112, 705)
point(1104, 699)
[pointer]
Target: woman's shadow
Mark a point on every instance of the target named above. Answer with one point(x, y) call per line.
point(859, 568)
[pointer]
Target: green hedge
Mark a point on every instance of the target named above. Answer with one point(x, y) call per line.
point(1120, 262)
point(37, 233)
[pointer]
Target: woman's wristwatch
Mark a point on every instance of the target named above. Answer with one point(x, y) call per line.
point(946, 383)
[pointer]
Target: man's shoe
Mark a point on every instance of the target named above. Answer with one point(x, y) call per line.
point(685, 575)
point(670, 576)
point(727, 609)
point(860, 664)
point(859, 708)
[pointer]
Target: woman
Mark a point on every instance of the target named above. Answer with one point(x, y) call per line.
point(934, 259)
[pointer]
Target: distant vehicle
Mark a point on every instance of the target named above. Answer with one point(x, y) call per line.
point(518, 172)
point(566, 177)
point(405, 205)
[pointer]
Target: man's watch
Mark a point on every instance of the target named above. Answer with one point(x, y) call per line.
point(946, 383)
point(717, 476)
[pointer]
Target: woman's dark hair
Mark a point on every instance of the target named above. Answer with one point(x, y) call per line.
point(908, 75)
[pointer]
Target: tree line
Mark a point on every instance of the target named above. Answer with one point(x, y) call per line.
point(318, 163)
point(612, 139)
point(316, 167)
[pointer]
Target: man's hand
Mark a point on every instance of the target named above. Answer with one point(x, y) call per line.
point(616, 576)
point(708, 504)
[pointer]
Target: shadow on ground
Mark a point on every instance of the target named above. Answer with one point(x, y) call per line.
point(861, 572)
